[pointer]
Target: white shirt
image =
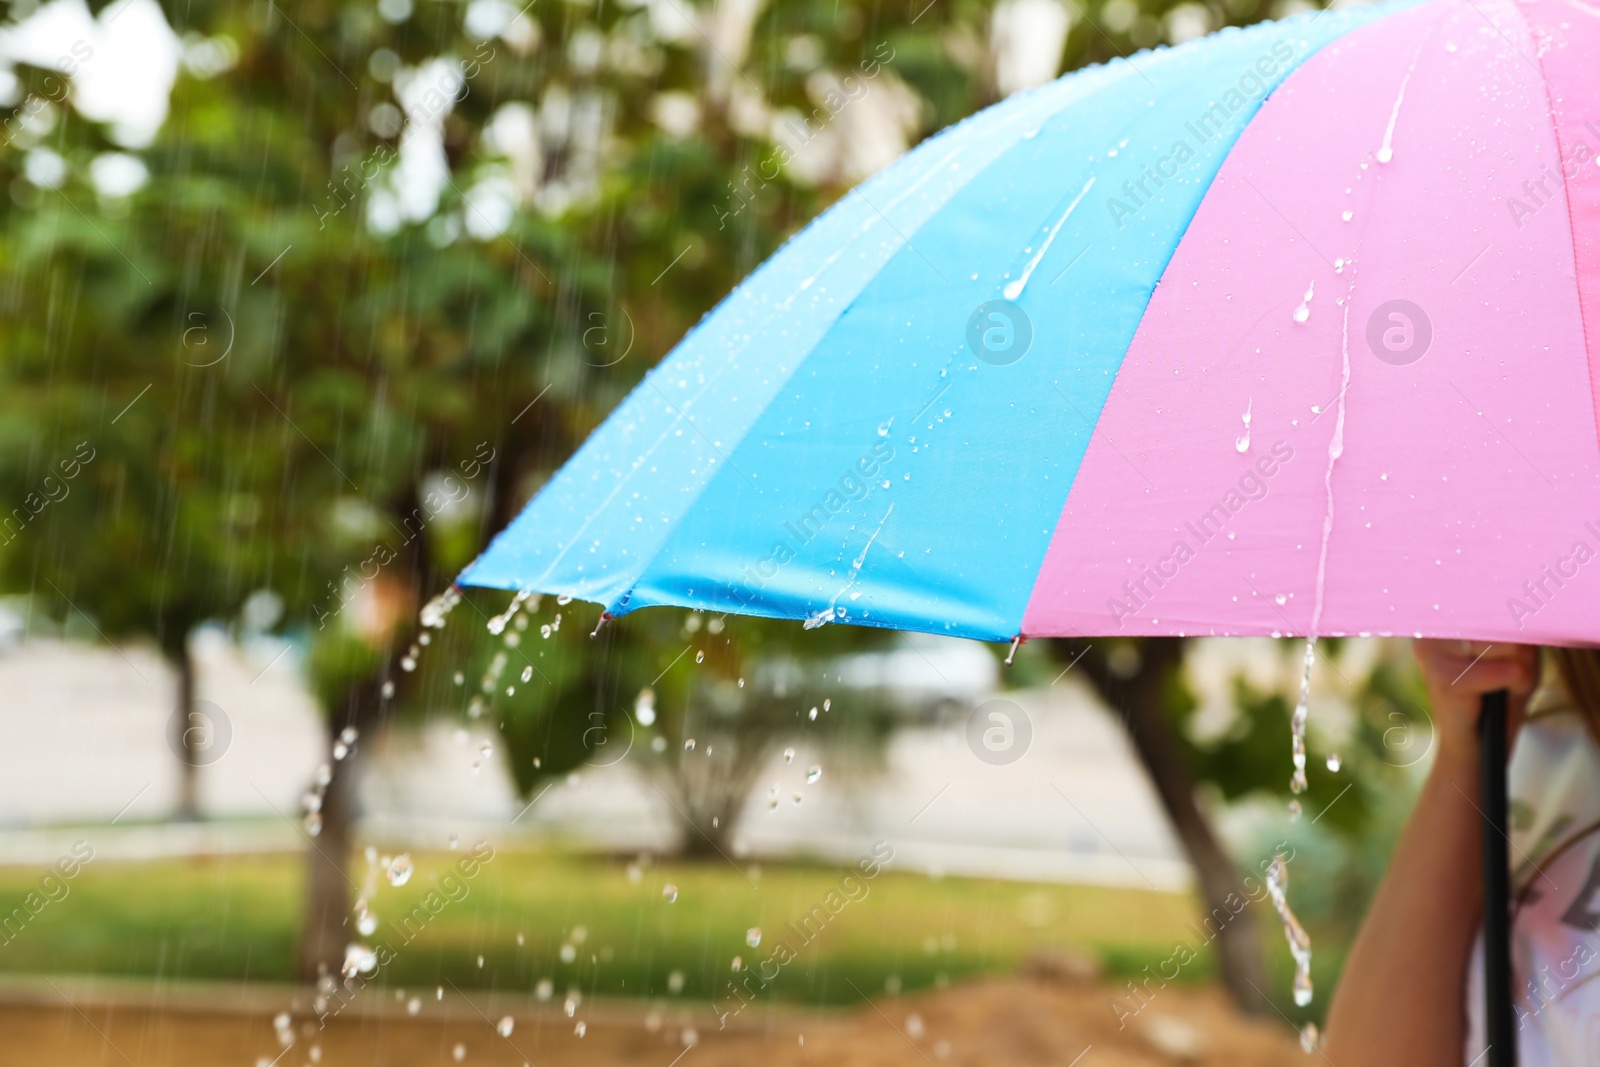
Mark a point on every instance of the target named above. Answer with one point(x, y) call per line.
point(1554, 782)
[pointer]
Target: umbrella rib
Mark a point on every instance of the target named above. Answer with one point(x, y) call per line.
point(1094, 428)
point(680, 413)
point(903, 237)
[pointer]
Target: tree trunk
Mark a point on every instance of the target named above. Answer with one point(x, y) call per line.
point(1140, 701)
point(187, 741)
point(325, 928)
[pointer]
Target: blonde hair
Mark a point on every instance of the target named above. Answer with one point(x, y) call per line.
point(1580, 676)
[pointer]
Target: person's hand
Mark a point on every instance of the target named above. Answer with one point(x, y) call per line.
point(1458, 673)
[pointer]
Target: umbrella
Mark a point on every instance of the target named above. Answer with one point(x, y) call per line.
point(1278, 332)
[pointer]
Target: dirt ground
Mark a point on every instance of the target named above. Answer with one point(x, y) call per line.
point(1013, 1021)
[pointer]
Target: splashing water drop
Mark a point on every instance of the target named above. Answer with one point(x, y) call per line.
point(1293, 932)
point(388, 690)
point(700, 657)
point(1334, 763)
point(459, 678)
point(400, 870)
point(435, 610)
point(413, 1006)
point(313, 823)
point(458, 1053)
point(505, 1026)
point(813, 715)
point(527, 673)
point(1294, 811)
point(1297, 724)
point(497, 625)
point(564, 599)
point(669, 893)
point(581, 1029)
point(688, 746)
point(813, 774)
point(788, 755)
point(1308, 1038)
point(752, 936)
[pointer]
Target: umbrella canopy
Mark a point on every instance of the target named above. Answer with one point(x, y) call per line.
point(1281, 331)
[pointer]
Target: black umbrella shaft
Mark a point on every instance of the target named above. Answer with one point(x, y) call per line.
point(1499, 1018)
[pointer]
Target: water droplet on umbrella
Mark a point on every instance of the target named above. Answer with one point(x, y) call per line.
point(1281, 600)
point(1240, 444)
point(1303, 312)
point(400, 870)
point(1348, 215)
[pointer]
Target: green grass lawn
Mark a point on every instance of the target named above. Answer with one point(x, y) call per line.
point(235, 918)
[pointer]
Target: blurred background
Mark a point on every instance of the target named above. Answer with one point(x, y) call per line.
point(300, 302)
